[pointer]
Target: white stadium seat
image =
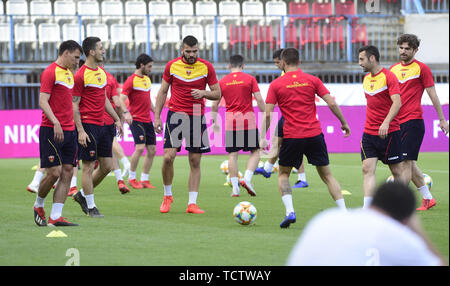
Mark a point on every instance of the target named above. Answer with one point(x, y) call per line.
point(112, 11)
point(195, 30)
point(18, 8)
point(168, 34)
point(221, 35)
point(275, 8)
point(121, 33)
point(252, 11)
point(229, 10)
point(205, 10)
point(89, 10)
point(135, 11)
point(24, 33)
point(48, 33)
point(140, 35)
point(65, 11)
point(71, 31)
point(40, 10)
point(182, 10)
point(98, 30)
point(5, 33)
point(159, 10)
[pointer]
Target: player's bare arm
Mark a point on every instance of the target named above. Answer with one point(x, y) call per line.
point(261, 106)
point(443, 124)
point(117, 109)
point(45, 106)
point(214, 112)
point(160, 100)
point(83, 138)
point(334, 107)
point(269, 110)
point(110, 110)
point(123, 107)
point(395, 107)
point(213, 94)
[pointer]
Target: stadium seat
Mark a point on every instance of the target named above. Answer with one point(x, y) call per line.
point(65, 11)
point(40, 10)
point(239, 34)
point(71, 31)
point(333, 33)
point(112, 11)
point(89, 10)
point(121, 33)
point(195, 30)
point(205, 10)
point(48, 33)
point(322, 9)
point(252, 10)
point(5, 37)
point(298, 8)
point(344, 7)
point(221, 35)
point(229, 10)
point(98, 30)
point(18, 8)
point(135, 11)
point(309, 34)
point(183, 11)
point(168, 34)
point(159, 10)
point(359, 34)
point(263, 35)
point(274, 10)
point(291, 38)
point(140, 35)
point(25, 39)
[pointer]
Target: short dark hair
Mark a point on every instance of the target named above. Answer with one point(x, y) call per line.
point(89, 44)
point(70, 46)
point(277, 54)
point(396, 199)
point(190, 41)
point(236, 61)
point(370, 51)
point(411, 39)
point(143, 59)
point(290, 56)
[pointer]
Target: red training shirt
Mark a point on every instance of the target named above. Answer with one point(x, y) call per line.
point(111, 90)
point(137, 88)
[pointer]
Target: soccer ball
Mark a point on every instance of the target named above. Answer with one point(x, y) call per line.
point(261, 164)
point(244, 213)
point(390, 179)
point(294, 170)
point(428, 180)
point(240, 177)
point(224, 167)
point(276, 166)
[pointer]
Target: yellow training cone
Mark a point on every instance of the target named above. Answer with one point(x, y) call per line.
point(345, 192)
point(56, 233)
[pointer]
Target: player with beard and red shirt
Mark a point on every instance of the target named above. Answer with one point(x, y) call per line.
point(187, 76)
point(414, 77)
point(302, 134)
point(241, 132)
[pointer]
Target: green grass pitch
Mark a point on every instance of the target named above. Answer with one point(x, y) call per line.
point(134, 232)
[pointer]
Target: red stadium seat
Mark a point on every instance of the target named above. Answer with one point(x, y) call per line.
point(359, 34)
point(239, 34)
point(263, 34)
point(290, 36)
point(298, 9)
point(346, 8)
point(333, 33)
point(309, 33)
point(322, 9)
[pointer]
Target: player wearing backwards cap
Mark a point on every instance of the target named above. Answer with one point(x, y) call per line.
point(414, 77)
point(137, 89)
point(94, 139)
point(187, 76)
point(381, 138)
point(57, 135)
point(295, 94)
point(241, 133)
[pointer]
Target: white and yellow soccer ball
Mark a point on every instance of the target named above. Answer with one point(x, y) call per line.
point(244, 213)
point(224, 167)
point(390, 179)
point(294, 170)
point(276, 167)
point(240, 177)
point(426, 177)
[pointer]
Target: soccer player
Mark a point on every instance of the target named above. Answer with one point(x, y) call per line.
point(295, 95)
point(238, 89)
point(57, 135)
point(335, 238)
point(94, 140)
point(137, 89)
point(267, 170)
point(187, 76)
point(381, 137)
point(414, 77)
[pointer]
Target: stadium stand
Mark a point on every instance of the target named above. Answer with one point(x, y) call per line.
point(64, 11)
point(159, 11)
point(135, 12)
point(89, 11)
point(229, 11)
point(40, 11)
point(182, 11)
point(112, 12)
point(72, 31)
point(49, 39)
point(205, 11)
point(17, 8)
point(252, 10)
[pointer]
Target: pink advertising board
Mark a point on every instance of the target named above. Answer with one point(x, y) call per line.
point(19, 132)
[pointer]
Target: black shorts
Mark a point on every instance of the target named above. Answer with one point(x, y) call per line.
point(245, 140)
point(191, 128)
point(293, 149)
point(143, 133)
point(412, 132)
point(388, 150)
point(55, 154)
point(279, 128)
point(110, 132)
point(100, 145)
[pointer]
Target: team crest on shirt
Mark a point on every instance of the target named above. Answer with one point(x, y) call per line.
point(188, 72)
point(141, 137)
point(403, 74)
point(51, 159)
point(92, 153)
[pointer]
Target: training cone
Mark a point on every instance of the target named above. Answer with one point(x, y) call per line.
point(56, 233)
